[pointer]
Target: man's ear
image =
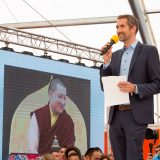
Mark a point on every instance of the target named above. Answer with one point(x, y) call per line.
point(133, 29)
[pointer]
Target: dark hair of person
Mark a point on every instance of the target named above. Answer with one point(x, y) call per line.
point(90, 151)
point(103, 156)
point(131, 20)
point(98, 149)
point(62, 147)
point(74, 154)
point(53, 84)
point(75, 149)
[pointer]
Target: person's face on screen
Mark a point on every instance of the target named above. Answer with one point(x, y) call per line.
point(57, 99)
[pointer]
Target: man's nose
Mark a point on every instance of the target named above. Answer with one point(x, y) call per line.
point(119, 30)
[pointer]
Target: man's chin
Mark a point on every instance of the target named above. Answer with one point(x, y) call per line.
point(60, 112)
point(121, 39)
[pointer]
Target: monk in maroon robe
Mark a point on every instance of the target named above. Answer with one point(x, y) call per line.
point(50, 121)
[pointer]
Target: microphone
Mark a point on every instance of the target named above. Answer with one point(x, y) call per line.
point(150, 147)
point(114, 39)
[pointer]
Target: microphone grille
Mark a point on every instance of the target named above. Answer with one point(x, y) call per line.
point(115, 38)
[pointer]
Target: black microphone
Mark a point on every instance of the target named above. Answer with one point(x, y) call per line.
point(114, 39)
point(150, 147)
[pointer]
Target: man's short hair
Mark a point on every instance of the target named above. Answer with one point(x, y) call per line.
point(98, 149)
point(131, 20)
point(90, 151)
point(53, 84)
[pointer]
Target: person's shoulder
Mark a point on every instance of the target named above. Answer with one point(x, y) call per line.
point(147, 49)
point(41, 109)
point(66, 119)
point(66, 116)
point(148, 46)
point(64, 113)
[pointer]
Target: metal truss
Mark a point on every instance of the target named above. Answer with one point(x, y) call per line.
point(47, 44)
point(145, 28)
point(62, 23)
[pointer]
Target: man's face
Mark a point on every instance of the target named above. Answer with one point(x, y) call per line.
point(96, 155)
point(57, 99)
point(75, 157)
point(124, 32)
point(62, 154)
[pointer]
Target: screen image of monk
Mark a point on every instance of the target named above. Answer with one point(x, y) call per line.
point(26, 92)
point(51, 120)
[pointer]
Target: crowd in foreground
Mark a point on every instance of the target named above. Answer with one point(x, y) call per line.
point(74, 153)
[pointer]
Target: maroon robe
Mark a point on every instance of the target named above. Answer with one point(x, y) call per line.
point(63, 129)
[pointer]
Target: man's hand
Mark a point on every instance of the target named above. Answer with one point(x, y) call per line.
point(150, 157)
point(127, 87)
point(107, 56)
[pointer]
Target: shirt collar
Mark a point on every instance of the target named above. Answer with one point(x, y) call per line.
point(52, 113)
point(133, 45)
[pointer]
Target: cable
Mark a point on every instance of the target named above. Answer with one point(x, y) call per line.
point(10, 11)
point(47, 20)
point(40, 16)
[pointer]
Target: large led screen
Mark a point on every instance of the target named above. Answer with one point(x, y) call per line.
point(27, 89)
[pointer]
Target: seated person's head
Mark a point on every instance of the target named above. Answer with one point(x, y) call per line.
point(74, 156)
point(98, 149)
point(93, 154)
point(57, 96)
point(70, 150)
point(61, 153)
